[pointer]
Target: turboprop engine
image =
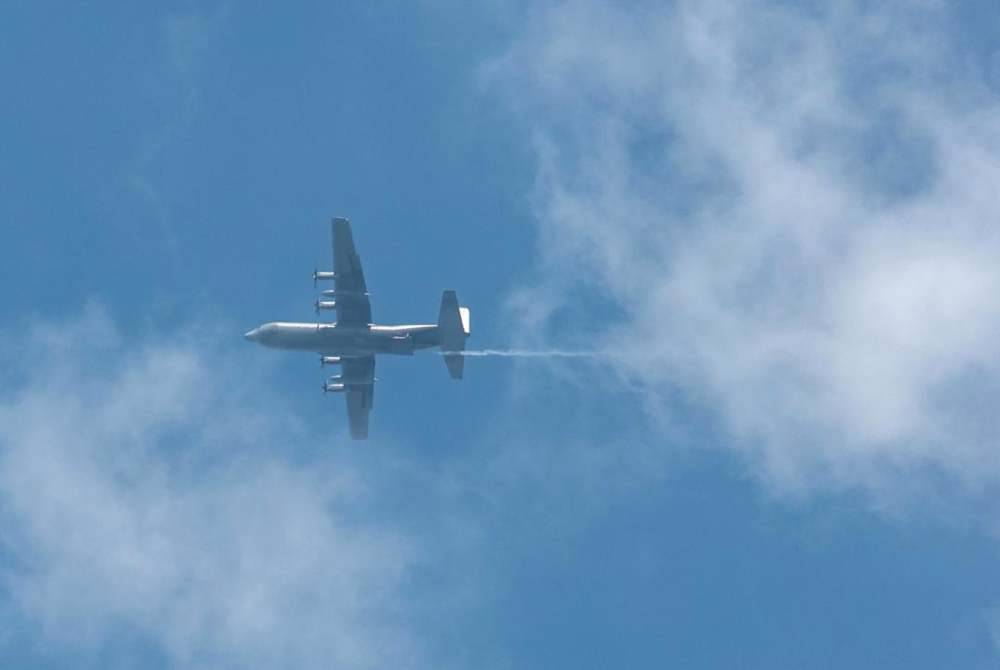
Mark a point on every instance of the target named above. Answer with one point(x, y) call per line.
point(320, 275)
point(325, 304)
point(329, 360)
point(338, 380)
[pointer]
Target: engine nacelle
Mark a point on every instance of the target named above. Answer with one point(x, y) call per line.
point(329, 360)
point(339, 380)
point(320, 275)
point(325, 304)
point(333, 388)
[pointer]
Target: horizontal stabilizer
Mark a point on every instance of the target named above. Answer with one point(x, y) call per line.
point(454, 325)
point(456, 365)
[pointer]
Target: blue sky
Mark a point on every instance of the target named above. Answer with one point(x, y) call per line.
point(780, 219)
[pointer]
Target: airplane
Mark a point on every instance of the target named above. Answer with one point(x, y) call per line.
point(353, 341)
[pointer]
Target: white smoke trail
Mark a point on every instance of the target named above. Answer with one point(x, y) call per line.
point(529, 353)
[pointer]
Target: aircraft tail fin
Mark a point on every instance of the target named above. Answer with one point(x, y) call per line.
point(453, 327)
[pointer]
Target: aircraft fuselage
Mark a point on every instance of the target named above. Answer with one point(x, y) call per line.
point(331, 339)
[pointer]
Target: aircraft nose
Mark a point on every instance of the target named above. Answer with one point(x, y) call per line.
point(251, 334)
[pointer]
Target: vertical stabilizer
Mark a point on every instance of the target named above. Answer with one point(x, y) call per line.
point(454, 326)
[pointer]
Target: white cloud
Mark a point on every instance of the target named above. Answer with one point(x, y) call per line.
point(140, 487)
point(796, 210)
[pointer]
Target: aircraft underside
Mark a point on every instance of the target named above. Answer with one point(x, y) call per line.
point(324, 338)
point(353, 341)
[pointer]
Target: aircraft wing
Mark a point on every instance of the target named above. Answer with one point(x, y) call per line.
point(359, 389)
point(353, 307)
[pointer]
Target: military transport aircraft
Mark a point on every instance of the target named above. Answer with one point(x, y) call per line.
point(353, 340)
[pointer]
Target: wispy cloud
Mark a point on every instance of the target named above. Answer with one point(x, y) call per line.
point(139, 486)
point(187, 40)
point(794, 210)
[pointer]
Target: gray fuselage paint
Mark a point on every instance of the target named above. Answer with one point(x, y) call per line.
point(329, 338)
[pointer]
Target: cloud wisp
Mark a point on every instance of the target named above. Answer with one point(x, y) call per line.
point(795, 211)
point(137, 487)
